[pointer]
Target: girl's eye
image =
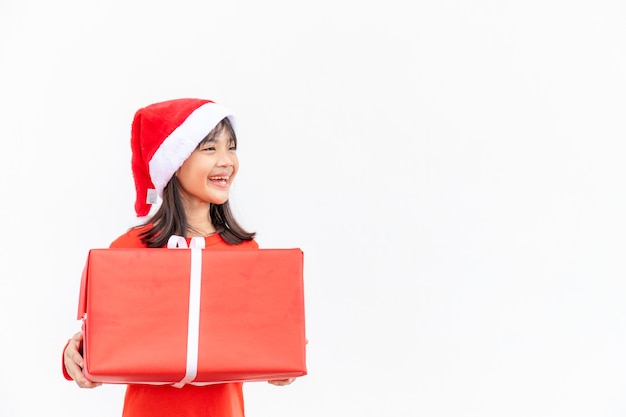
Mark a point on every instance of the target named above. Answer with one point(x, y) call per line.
point(232, 148)
point(209, 148)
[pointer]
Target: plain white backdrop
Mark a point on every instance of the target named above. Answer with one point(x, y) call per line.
point(453, 171)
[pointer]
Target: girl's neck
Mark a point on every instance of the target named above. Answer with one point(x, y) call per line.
point(199, 223)
point(193, 232)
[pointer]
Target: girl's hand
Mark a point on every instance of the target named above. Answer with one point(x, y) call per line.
point(281, 382)
point(73, 362)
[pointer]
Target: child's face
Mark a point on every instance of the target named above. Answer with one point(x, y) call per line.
point(206, 176)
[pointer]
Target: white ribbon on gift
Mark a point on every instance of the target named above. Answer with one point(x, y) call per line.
point(195, 282)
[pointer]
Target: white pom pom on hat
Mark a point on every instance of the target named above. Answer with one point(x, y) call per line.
point(163, 136)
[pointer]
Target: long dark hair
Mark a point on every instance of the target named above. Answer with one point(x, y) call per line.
point(170, 218)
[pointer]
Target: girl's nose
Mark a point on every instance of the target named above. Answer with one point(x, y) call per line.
point(225, 159)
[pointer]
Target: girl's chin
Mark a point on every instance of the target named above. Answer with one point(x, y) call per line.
point(219, 200)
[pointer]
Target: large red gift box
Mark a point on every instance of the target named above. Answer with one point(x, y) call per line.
point(178, 316)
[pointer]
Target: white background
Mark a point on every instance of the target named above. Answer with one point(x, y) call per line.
point(453, 171)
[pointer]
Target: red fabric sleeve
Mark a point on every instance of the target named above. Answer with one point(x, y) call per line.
point(130, 239)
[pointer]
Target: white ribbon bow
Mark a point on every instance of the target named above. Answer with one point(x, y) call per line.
point(179, 242)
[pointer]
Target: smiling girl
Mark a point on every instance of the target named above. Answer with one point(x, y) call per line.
point(184, 151)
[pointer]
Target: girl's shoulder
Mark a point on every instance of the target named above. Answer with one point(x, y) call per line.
point(216, 241)
point(130, 239)
point(249, 244)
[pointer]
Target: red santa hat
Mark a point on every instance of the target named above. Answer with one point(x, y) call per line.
point(163, 136)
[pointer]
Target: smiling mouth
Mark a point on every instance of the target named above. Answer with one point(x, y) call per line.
point(219, 180)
